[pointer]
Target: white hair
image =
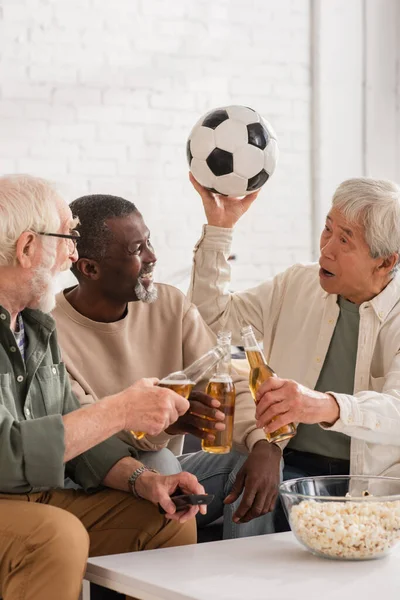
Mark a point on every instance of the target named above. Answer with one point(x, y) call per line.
point(375, 205)
point(26, 204)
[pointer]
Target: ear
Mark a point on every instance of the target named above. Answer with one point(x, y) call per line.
point(88, 268)
point(388, 263)
point(26, 249)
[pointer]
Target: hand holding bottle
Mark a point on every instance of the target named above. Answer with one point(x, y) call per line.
point(281, 401)
point(203, 412)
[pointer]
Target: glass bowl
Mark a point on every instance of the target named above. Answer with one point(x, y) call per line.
point(352, 517)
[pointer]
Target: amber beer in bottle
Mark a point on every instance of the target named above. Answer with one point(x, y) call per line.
point(260, 371)
point(182, 382)
point(221, 387)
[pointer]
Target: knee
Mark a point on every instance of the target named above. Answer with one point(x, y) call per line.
point(64, 537)
point(164, 461)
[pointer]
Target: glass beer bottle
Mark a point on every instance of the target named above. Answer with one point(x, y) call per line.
point(182, 382)
point(260, 371)
point(221, 387)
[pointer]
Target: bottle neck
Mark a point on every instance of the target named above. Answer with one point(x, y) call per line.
point(223, 368)
point(201, 367)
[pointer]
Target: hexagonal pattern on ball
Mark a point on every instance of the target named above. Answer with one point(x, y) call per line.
point(244, 114)
point(231, 135)
point(202, 173)
point(271, 155)
point(231, 185)
point(202, 142)
point(248, 161)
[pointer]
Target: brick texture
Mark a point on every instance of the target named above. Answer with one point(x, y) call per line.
point(101, 97)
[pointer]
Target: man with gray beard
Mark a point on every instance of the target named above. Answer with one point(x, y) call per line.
point(117, 326)
point(47, 531)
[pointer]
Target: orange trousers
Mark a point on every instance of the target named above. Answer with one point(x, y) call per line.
point(46, 537)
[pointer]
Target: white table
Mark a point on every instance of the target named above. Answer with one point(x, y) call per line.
point(272, 567)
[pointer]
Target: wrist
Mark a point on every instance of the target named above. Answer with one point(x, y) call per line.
point(266, 447)
point(330, 410)
point(116, 409)
point(139, 477)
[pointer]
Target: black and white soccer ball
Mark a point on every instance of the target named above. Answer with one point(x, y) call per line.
point(232, 151)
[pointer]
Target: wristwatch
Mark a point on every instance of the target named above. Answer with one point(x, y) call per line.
point(133, 478)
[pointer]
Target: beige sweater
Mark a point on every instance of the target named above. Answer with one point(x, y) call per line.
point(152, 340)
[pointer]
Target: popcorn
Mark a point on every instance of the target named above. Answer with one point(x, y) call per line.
point(348, 530)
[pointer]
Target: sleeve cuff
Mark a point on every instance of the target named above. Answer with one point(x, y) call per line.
point(253, 437)
point(350, 414)
point(91, 467)
point(43, 448)
point(216, 238)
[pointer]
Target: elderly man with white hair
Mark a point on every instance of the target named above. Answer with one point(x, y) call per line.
point(46, 531)
point(330, 330)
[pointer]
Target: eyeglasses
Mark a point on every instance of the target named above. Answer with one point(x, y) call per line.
point(72, 238)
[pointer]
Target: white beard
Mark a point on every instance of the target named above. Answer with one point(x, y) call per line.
point(148, 295)
point(43, 286)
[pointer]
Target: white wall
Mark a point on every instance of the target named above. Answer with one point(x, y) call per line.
point(102, 95)
point(355, 96)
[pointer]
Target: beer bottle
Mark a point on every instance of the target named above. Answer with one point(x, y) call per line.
point(182, 382)
point(221, 387)
point(260, 371)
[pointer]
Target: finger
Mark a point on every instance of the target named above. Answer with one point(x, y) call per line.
point(248, 200)
point(201, 434)
point(165, 501)
point(205, 399)
point(187, 482)
point(272, 383)
point(274, 411)
point(254, 510)
point(237, 488)
point(246, 504)
point(181, 404)
point(270, 399)
point(203, 192)
point(183, 515)
point(200, 410)
point(279, 422)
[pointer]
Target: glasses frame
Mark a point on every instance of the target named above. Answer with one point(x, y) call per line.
point(65, 236)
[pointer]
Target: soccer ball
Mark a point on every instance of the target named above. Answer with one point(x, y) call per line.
point(232, 151)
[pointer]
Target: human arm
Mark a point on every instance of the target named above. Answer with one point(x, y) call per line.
point(258, 479)
point(141, 407)
point(209, 286)
point(370, 415)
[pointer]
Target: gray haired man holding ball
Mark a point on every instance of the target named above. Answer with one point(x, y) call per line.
point(331, 330)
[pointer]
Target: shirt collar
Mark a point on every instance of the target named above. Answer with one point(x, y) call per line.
point(35, 316)
point(384, 302)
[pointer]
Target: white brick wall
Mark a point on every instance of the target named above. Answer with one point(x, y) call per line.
point(101, 96)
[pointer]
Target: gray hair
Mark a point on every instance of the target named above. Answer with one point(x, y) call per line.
point(26, 204)
point(375, 205)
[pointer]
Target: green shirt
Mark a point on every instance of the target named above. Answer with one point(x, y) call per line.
point(34, 394)
point(337, 375)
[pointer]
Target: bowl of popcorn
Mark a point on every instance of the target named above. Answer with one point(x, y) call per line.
point(349, 517)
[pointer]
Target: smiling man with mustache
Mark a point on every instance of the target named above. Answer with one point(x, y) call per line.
point(331, 331)
point(117, 325)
